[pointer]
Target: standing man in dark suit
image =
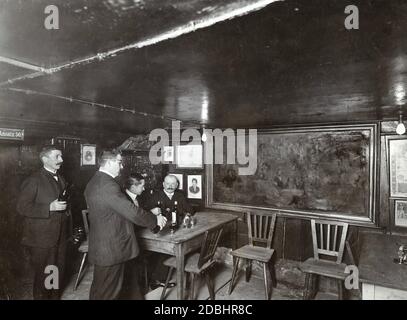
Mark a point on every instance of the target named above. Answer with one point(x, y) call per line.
point(46, 222)
point(112, 240)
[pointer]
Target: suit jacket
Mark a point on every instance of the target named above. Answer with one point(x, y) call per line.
point(191, 189)
point(41, 227)
point(129, 198)
point(182, 204)
point(112, 239)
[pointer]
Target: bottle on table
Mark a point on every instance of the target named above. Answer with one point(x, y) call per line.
point(174, 216)
point(157, 228)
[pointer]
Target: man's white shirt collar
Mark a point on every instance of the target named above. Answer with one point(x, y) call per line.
point(53, 172)
point(169, 195)
point(108, 173)
point(131, 195)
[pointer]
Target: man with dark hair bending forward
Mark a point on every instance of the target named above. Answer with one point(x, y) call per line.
point(112, 240)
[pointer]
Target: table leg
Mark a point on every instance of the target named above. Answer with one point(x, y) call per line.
point(180, 255)
point(234, 235)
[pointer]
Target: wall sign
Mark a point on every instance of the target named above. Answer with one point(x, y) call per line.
point(11, 134)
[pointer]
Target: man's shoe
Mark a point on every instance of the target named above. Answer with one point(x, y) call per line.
point(155, 284)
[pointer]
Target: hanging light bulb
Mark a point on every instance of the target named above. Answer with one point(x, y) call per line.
point(401, 129)
point(204, 135)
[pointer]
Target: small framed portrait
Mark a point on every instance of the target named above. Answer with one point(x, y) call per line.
point(400, 214)
point(88, 154)
point(189, 156)
point(168, 154)
point(180, 179)
point(398, 167)
point(195, 186)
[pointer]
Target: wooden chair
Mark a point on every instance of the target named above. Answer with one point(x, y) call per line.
point(83, 248)
point(260, 229)
point(198, 263)
point(328, 239)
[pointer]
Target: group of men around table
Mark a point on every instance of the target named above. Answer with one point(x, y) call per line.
point(113, 213)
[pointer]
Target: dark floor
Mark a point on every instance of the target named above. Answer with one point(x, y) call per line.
point(290, 286)
point(289, 277)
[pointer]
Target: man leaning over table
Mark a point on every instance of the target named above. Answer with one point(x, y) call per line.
point(112, 240)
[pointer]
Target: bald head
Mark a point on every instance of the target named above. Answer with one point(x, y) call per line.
point(170, 183)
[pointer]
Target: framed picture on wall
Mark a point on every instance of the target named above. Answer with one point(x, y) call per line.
point(398, 167)
point(168, 153)
point(400, 213)
point(180, 179)
point(292, 178)
point(88, 154)
point(189, 156)
point(195, 186)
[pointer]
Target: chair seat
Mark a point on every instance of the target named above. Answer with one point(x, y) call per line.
point(191, 263)
point(84, 246)
point(324, 268)
point(254, 253)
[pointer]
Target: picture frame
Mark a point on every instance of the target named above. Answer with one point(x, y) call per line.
point(180, 178)
point(194, 186)
point(168, 154)
point(324, 192)
point(189, 156)
point(400, 213)
point(88, 155)
point(398, 167)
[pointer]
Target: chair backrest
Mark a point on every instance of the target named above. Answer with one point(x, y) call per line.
point(210, 243)
point(85, 214)
point(325, 236)
point(261, 228)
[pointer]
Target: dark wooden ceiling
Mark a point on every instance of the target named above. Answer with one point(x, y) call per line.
point(288, 63)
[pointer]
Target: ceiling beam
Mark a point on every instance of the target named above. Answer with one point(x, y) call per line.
point(21, 64)
point(93, 104)
point(233, 11)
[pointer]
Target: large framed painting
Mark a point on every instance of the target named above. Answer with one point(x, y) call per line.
point(398, 166)
point(315, 172)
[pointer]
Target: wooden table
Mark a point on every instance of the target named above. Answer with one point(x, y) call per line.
point(381, 278)
point(185, 240)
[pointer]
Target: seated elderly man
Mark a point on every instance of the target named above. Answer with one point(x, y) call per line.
point(167, 198)
point(169, 195)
